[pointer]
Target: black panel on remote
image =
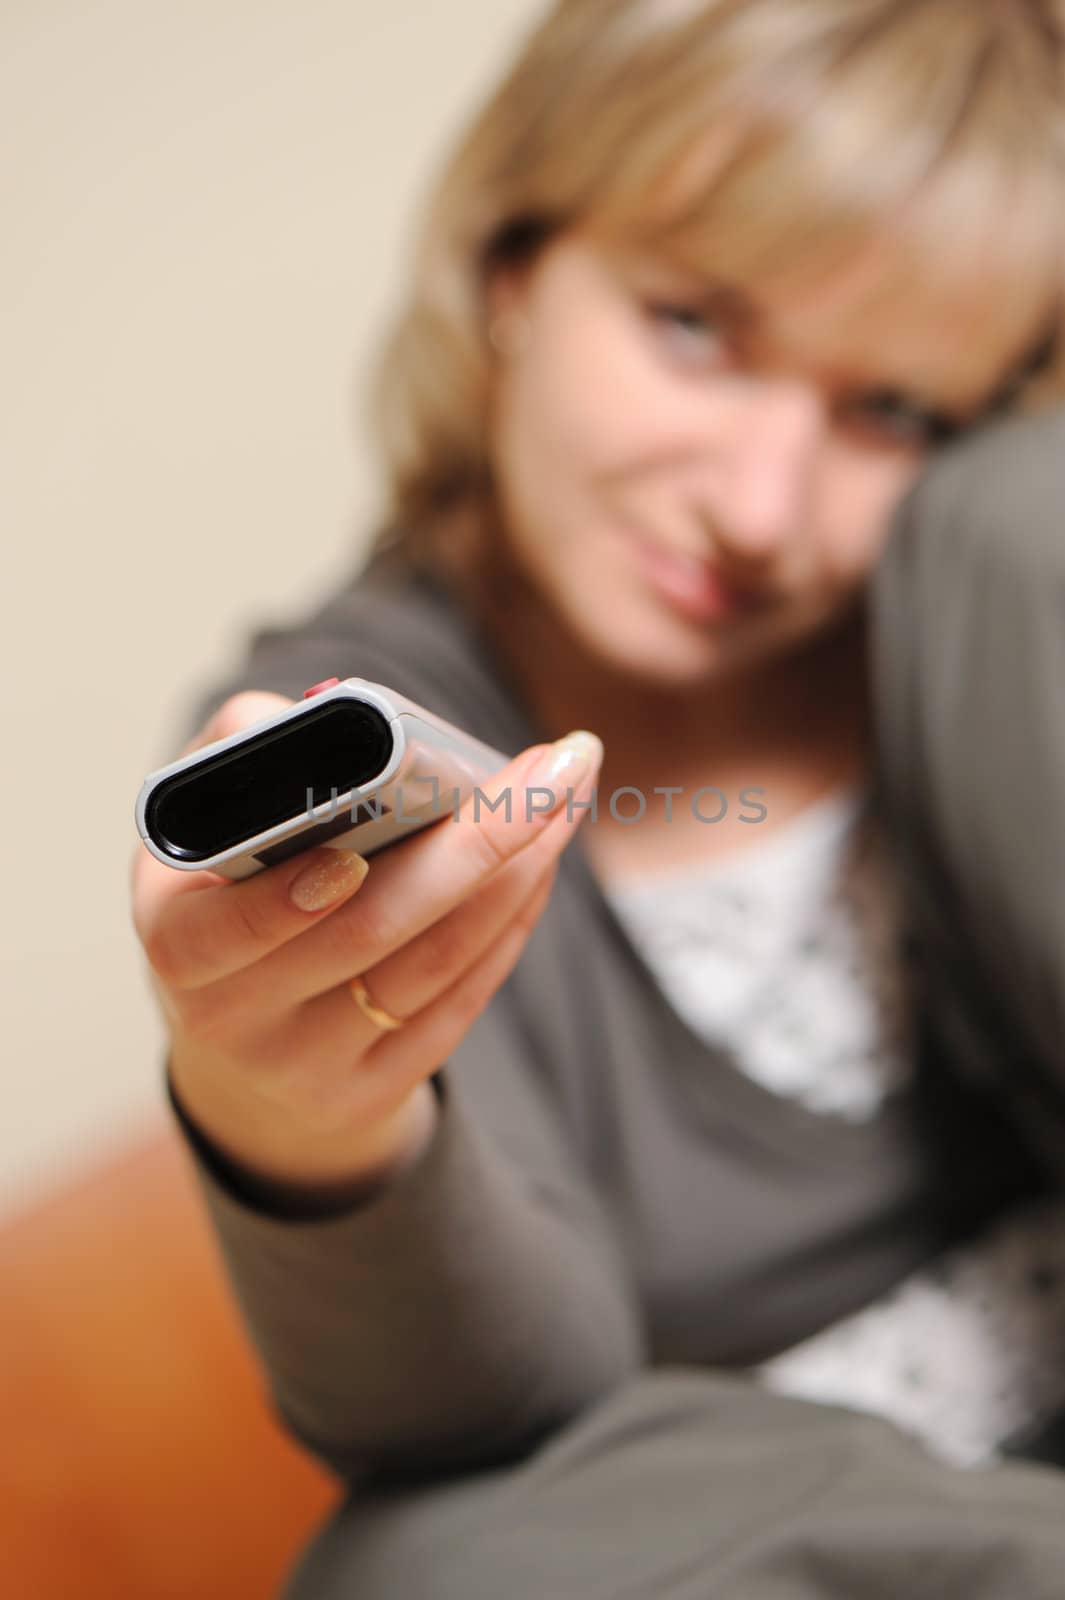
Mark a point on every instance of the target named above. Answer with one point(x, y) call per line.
point(264, 780)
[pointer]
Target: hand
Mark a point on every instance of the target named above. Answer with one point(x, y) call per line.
point(270, 1054)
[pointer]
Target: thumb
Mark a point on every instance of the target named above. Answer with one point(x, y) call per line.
point(234, 715)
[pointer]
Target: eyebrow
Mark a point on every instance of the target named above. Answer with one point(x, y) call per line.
point(1040, 355)
point(1035, 360)
point(719, 297)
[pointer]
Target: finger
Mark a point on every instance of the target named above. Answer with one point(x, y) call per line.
point(339, 1078)
point(416, 974)
point(427, 966)
point(237, 928)
point(194, 942)
point(240, 712)
point(415, 884)
point(398, 1060)
point(252, 1010)
point(196, 939)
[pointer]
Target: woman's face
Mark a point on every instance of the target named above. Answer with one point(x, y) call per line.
point(653, 447)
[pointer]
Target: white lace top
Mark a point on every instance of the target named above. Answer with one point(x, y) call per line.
point(786, 955)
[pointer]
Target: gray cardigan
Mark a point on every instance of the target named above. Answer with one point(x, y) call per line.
point(605, 1192)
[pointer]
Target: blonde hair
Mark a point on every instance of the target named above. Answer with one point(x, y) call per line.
point(768, 137)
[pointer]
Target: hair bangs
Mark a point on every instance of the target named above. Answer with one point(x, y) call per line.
point(827, 151)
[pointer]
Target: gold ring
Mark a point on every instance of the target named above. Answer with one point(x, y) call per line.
point(378, 1014)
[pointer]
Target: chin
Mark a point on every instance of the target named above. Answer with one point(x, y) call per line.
point(674, 654)
point(650, 649)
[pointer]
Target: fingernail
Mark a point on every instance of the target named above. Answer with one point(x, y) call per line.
point(328, 880)
point(570, 758)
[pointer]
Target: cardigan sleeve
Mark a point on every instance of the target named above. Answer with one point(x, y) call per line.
point(459, 1314)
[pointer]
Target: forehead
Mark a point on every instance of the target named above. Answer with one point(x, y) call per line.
point(941, 291)
point(948, 331)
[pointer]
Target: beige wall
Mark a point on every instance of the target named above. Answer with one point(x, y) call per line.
point(205, 206)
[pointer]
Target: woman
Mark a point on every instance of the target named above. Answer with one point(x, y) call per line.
point(771, 1080)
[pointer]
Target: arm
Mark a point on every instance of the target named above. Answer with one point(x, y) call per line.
point(474, 1297)
point(468, 1306)
point(968, 658)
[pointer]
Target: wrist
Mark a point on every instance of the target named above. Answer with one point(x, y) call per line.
point(258, 1154)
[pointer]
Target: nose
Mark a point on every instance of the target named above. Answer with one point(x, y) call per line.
point(765, 468)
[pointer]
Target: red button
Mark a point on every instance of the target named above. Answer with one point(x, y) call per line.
point(316, 688)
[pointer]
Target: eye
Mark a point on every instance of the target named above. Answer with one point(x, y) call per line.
point(892, 421)
point(690, 333)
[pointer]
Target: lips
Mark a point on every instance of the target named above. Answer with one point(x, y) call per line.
point(708, 572)
point(696, 587)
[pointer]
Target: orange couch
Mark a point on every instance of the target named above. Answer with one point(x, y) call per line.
point(141, 1459)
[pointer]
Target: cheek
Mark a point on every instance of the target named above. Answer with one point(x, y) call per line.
point(582, 403)
point(863, 491)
